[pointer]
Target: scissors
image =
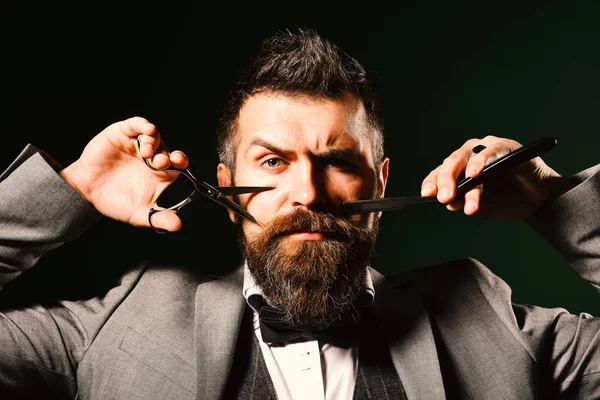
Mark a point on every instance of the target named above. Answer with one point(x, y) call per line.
point(510, 160)
point(215, 193)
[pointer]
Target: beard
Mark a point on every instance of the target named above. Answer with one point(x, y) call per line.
point(313, 283)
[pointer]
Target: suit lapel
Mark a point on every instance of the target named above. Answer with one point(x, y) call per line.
point(400, 312)
point(219, 309)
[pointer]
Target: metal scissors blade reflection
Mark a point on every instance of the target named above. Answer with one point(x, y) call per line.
point(510, 160)
point(216, 193)
point(220, 195)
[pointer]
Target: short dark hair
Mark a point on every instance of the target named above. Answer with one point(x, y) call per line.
point(300, 63)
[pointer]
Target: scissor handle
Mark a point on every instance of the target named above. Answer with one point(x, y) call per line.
point(215, 193)
point(175, 208)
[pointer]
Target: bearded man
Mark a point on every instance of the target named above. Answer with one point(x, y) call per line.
point(305, 317)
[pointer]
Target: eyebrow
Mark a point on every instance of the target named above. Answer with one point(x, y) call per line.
point(268, 146)
point(329, 154)
point(339, 153)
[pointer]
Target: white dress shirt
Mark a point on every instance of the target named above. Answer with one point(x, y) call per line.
point(301, 370)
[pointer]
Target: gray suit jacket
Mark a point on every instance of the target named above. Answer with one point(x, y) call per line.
point(168, 332)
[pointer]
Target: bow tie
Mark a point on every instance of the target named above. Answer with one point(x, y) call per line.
point(276, 332)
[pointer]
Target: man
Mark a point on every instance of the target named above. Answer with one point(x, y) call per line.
point(303, 120)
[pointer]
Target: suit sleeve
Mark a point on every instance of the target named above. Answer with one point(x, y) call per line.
point(41, 345)
point(565, 345)
point(39, 212)
point(571, 223)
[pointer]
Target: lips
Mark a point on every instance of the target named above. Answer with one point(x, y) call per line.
point(311, 234)
point(308, 235)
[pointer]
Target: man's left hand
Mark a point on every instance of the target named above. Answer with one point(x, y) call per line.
point(515, 194)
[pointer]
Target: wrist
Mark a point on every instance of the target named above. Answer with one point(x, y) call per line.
point(73, 178)
point(552, 188)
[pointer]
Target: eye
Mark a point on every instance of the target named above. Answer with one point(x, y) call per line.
point(341, 164)
point(273, 163)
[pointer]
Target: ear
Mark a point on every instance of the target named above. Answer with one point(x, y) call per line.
point(225, 179)
point(382, 177)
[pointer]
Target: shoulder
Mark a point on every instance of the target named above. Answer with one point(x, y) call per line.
point(153, 294)
point(173, 278)
point(463, 271)
point(464, 278)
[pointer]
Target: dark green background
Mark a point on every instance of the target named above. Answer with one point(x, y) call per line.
point(446, 72)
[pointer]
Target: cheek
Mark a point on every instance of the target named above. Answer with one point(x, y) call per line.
point(250, 229)
point(356, 188)
point(264, 205)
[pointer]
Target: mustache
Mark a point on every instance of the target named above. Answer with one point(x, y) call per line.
point(312, 221)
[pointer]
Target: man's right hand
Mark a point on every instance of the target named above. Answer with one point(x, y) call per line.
point(111, 176)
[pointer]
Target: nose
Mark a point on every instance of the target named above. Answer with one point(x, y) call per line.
point(307, 187)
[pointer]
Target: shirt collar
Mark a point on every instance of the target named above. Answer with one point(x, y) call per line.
point(253, 293)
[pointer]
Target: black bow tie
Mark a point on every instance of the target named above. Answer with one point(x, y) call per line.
point(276, 332)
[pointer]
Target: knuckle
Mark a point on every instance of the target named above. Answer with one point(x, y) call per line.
point(514, 143)
point(451, 158)
point(147, 139)
point(442, 176)
point(472, 142)
point(136, 120)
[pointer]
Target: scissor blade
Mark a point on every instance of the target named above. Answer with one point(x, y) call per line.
point(233, 206)
point(230, 190)
point(214, 194)
point(385, 204)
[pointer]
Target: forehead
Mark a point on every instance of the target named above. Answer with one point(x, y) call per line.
point(303, 121)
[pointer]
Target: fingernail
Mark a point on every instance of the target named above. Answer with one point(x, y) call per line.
point(427, 189)
point(179, 152)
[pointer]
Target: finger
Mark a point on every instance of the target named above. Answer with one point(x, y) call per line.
point(456, 204)
point(135, 126)
point(179, 159)
point(472, 200)
point(429, 185)
point(166, 220)
point(160, 160)
point(149, 144)
point(495, 148)
point(449, 172)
